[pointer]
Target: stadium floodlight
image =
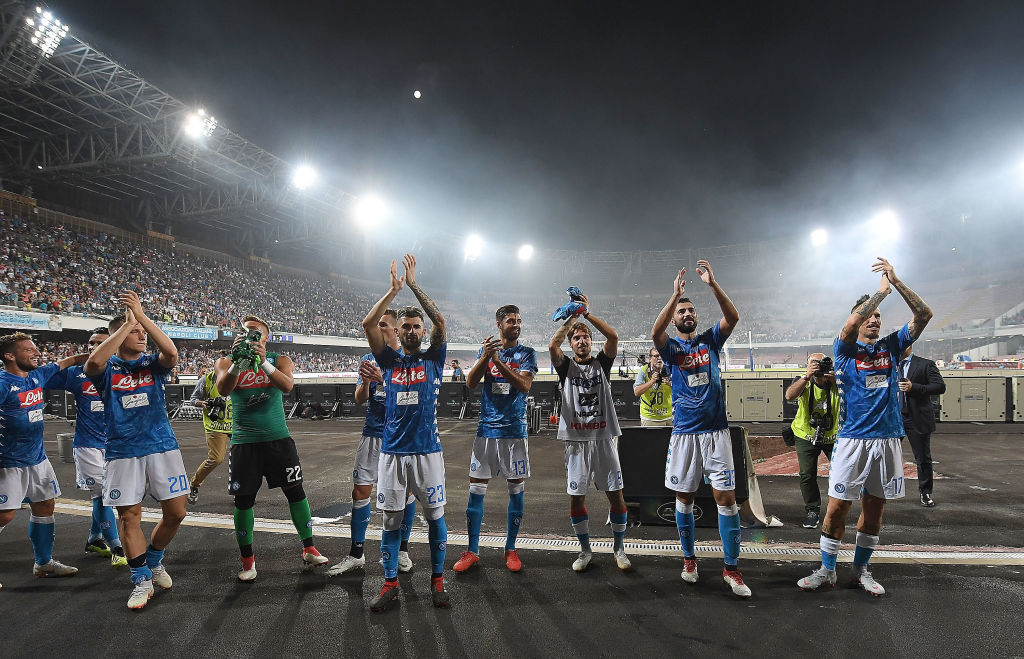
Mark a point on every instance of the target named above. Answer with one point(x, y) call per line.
point(304, 177)
point(819, 237)
point(200, 124)
point(525, 252)
point(473, 247)
point(369, 211)
point(886, 224)
point(46, 32)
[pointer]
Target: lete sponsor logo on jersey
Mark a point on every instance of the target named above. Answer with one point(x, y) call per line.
point(880, 361)
point(31, 398)
point(89, 389)
point(409, 376)
point(496, 373)
point(130, 382)
point(694, 360)
point(251, 380)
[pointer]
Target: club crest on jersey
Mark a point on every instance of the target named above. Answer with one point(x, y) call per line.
point(31, 398)
point(89, 389)
point(115, 494)
point(409, 376)
point(694, 360)
point(252, 379)
point(129, 382)
point(3, 498)
point(879, 362)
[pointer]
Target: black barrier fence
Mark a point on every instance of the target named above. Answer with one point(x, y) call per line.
point(642, 456)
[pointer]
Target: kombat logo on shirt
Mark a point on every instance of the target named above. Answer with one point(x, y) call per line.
point(89, 389)
point(880, 362)
point(252, 380)
point(129, 382)
point(586, 383)
point(31, 398)
point(694, 360)
point(409, 376)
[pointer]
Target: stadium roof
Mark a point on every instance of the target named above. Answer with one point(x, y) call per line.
point(86, 128)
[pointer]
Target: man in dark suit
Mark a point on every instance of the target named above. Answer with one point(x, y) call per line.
point(919, 381)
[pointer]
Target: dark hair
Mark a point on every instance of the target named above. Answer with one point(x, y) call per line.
point(392, 313)
point(100, 330)
point(683, 299)
point(409, 312)
point(259, 320)
point(8, 341)
point(505, 311)
point(861, 300)
point(579, 326)
point(116, 322)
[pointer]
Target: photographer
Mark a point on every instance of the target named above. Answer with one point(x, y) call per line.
point(653, 389)
point(814, 429)
point(216, 423)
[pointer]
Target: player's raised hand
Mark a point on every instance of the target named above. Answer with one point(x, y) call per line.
point(883, 266)
point(396, 281)
point(369, 371)
point(705, 272)
point(679, 285)
point(130, 300)
point(410, 268)
point(130, 319)
point(491, 346)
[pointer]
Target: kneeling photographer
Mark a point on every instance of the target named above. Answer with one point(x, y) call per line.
point(814, 429)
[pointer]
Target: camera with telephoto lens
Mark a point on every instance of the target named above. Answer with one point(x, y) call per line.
point(821, 423)
point(825, 367)
point(216, 408)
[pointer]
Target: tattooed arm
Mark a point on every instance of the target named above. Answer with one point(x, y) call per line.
point(922, 312)
point(555, 346)
point(437, 332)
point(860, 315)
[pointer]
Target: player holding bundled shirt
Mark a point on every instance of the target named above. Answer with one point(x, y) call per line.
point(501, 447)
point(142, 453)
point(261, 445)
point(410, 453)
point(89, 452)
point(24, 469)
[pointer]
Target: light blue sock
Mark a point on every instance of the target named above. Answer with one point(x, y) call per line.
point(96, 530)
point(618, 529)
point(389, 544)
point(829, 552)
point(865, 547)
point(581, 525)
point(360, 520)
point(408, 519)
point(154, 557)
point(40, 531)
point(108, 525)
point(140, 574)
point(685, 526)
point(437, 531)
point(475, 514)
point(516, 505)
point(729, 530)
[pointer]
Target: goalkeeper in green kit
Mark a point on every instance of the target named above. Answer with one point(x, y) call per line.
point(260, 444)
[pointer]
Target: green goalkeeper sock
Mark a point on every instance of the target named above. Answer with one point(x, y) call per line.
point(244, 522)
point(302, 518)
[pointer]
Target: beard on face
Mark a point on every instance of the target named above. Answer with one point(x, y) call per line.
point(686, 326)
point(411, 342)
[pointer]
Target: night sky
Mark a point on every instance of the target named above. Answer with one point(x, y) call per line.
point(595, 125)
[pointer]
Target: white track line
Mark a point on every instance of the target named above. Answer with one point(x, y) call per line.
point(750, 551)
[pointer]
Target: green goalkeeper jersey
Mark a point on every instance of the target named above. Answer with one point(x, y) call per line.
point(258, 411)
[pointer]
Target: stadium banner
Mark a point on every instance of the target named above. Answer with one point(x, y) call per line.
point(27, 320)
point(184, 332)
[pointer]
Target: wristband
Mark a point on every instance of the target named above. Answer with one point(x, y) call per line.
point(267, 367)
point(234, 370)
point(806, 378)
